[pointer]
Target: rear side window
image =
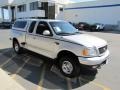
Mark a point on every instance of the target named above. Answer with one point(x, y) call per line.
point(20, 24)
point(32, 26)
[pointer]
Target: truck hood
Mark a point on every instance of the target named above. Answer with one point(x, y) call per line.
point(86, 40)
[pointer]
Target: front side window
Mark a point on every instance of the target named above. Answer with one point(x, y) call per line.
point(63, 28)
point(32, 26)
point(20, 24)
point(42, 26)
point(22, 8)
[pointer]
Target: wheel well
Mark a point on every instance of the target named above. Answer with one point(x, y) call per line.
point(68, 53)
point(64, 53)
point(14, 39)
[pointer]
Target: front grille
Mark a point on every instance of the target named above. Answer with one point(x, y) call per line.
point(102, 49)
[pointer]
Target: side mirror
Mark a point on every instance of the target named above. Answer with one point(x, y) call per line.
point(46, 33)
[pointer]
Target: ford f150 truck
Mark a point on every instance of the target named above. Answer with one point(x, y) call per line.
point(59, 41)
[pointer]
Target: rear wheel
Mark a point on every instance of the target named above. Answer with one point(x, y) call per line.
point(17, 47)
point(69, 66)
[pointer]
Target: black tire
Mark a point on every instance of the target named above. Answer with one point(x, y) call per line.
point(18, 50)
point(75, 65)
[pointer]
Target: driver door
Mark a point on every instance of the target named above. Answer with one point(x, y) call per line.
point(44, 44)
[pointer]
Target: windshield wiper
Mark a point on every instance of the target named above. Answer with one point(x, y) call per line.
point(69, 33)
point(77, 33)
point(64, 33)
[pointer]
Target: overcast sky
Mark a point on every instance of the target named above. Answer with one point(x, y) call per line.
point(81, 0)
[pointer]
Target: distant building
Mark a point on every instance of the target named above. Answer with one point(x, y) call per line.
point(0, 20)
point(99, 11)
point(33, 8)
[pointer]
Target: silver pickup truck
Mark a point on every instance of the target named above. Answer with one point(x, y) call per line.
point(60, 41)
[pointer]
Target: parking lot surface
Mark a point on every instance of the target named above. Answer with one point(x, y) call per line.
point(35, 72)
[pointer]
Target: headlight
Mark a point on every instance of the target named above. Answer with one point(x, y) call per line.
point(89, 52)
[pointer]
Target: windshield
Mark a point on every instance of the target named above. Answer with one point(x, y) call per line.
point(63, 28)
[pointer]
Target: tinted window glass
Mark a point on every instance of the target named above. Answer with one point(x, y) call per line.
point(20, 24)
point(31, 28)
point(42, 26)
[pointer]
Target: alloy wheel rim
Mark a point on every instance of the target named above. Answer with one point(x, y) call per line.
point(16, 47)
point(67, 67)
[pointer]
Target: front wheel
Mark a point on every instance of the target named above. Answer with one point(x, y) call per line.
point(69, 66)
point(17, 47)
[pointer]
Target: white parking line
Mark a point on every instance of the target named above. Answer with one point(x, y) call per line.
point(7, 61)
point(19, 69)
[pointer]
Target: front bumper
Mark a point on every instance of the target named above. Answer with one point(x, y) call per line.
point(94, 60)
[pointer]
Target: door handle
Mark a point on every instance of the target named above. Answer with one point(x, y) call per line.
point(57, 43)
point(34, 37)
